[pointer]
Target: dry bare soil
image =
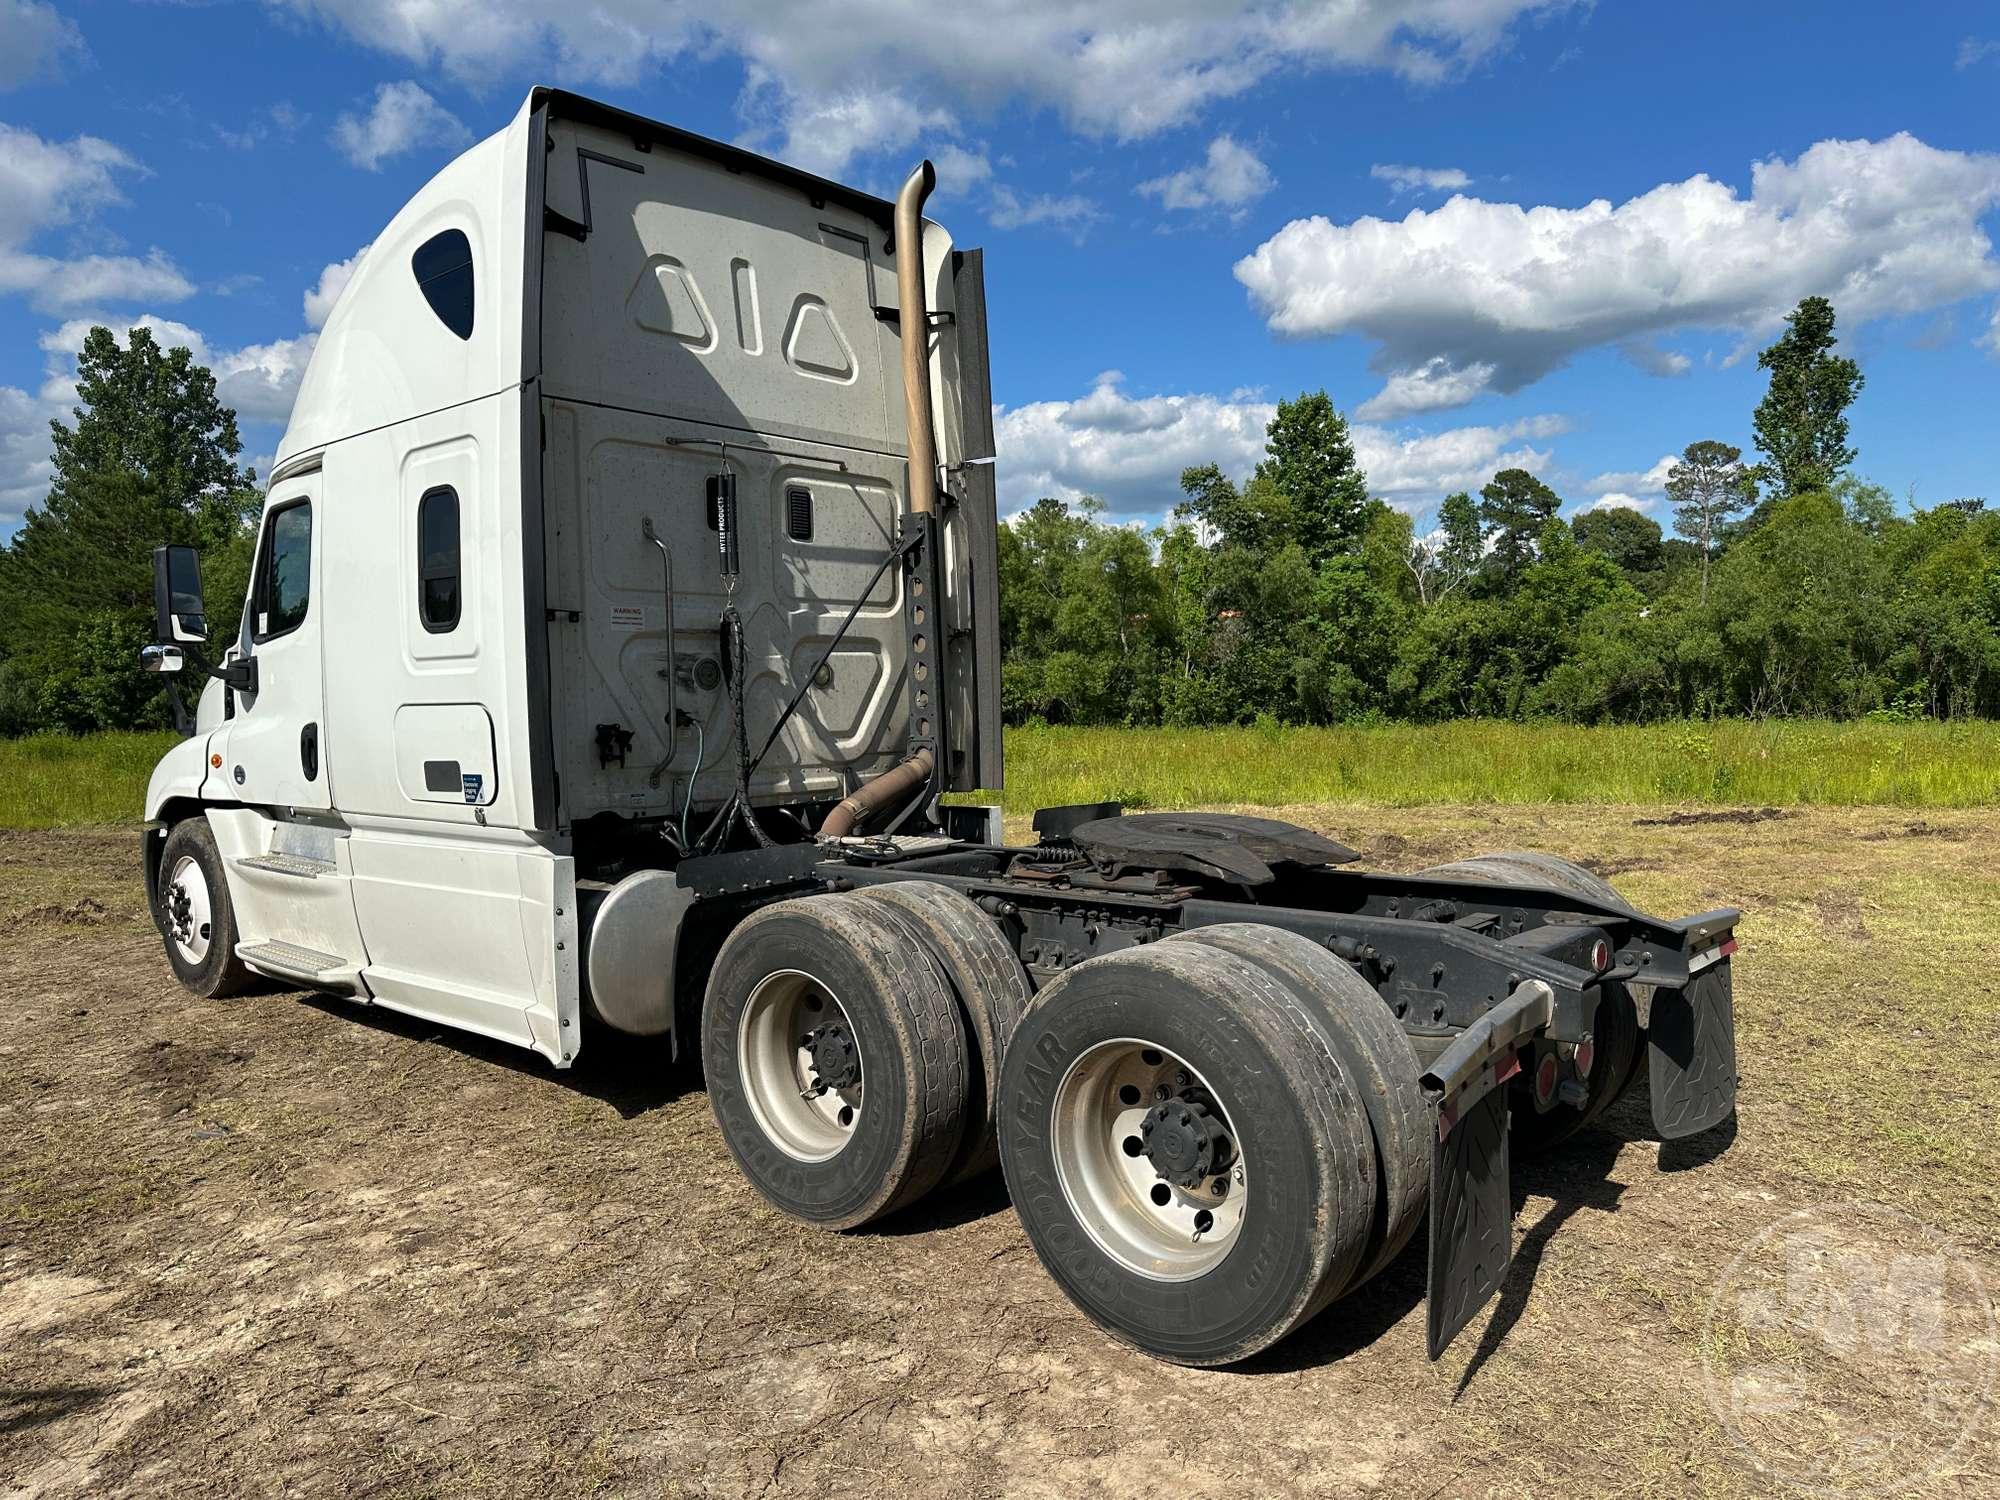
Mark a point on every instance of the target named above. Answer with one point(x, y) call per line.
point(284, 1245)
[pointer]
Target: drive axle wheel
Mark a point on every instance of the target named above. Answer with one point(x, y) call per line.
point(1191, 1163)
point(195, 916)
point(993, 994)
point(836, 1060)
point(1539, 1120)
point(1372, 1046)
point(1148, 1160)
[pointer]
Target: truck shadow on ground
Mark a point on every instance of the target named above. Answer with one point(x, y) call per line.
point(634, 1075)
point(1575, 1177)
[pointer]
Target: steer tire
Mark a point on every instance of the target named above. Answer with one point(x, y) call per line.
point(1618, 1041)
point(992, 991)
point(906, 1038)
point(207, 964)
point(1376, 1053)
point(1307, 1196)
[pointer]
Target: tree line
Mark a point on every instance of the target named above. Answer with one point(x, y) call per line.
point(1788, 587)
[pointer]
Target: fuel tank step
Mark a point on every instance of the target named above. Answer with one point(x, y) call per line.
point(302, 865)
point(291, 961)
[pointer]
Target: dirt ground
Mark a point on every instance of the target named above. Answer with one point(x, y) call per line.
point(285, 1245)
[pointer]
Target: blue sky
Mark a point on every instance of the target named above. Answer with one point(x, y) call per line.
point(1497, 232)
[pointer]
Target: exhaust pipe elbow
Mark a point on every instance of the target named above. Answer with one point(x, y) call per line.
point(914, 320)
point(851, 813)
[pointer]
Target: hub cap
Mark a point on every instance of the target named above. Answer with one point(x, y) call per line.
point(801, 1068)
point(1148, 1161)
point(189, 911)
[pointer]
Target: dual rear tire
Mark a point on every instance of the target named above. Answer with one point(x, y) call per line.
point(1211, 1139)
point(1208, 1140)
point(853, 1046)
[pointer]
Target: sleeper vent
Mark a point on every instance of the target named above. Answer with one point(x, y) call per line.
point(799, 513)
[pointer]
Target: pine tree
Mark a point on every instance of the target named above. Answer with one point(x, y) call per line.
point(1708, 485)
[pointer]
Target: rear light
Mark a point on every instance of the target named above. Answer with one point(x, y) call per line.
point(1600, 955)
point(1547, 1075)
point(1585, 1055)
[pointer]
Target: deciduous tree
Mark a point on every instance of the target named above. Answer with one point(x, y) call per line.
point(1801, 424)
point(1310, 461)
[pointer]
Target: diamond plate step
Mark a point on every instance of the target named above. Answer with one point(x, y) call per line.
point(302, 865)
point(292, 960)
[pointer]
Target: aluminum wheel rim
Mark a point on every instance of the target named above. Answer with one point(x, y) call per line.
point(1116, 1192)
point(793, 1106)
point(190, 913)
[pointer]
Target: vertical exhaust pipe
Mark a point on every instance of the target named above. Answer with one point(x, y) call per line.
point(914, 319)
point(915, 322)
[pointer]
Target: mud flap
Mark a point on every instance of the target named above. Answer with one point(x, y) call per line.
point(1472, 1216)
point(1691, 1054)
point(1472, 1210)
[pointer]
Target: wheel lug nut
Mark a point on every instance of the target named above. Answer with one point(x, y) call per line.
point(1162, 1093)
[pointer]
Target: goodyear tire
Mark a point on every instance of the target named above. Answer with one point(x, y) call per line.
point(1376, 1053)
point(196, 920)
point(1617, 1040)
point(835, 1059)
point(992, 991)
point(1140, 1080)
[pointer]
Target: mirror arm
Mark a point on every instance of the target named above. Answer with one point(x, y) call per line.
point(241, 674)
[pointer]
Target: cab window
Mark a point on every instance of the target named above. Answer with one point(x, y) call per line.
point(284, 572)
point(437, 560)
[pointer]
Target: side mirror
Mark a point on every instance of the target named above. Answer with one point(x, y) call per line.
point(161, 659)
point(178, 614)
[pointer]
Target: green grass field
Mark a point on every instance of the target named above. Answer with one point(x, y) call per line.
point(1736, 763)
point(52, 781)
point(61, 781)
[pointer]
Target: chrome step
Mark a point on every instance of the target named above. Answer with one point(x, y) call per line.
point(292, 961)
point(303, 865)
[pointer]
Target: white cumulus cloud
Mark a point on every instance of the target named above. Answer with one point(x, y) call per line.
point(401, 118)
point(1230, 176)
point(1617, 500)
point(1651, 481)
point(1881, 227)
point(1431, 386)
point(333, 279)
point(1124, 72)
point(34, 41)
point(46, 185)
point(1130, 450)
point(1421, 179)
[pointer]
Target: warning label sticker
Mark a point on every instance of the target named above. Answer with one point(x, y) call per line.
point(628, 616)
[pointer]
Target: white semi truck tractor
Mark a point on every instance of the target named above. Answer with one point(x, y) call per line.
point(623, 608)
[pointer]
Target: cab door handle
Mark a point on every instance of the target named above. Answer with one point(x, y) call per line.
point(309, 751)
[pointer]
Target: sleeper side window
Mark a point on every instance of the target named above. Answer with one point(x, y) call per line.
point(284, 574)
point(437, 560)
point(443, 268)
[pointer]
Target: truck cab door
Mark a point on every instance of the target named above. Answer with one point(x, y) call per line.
point(274, 751)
